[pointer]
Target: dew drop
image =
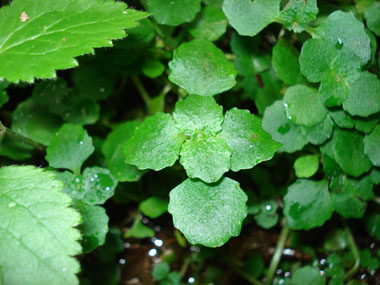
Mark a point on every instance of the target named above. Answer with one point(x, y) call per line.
point(339, 44)
point(107, 188)
point(268, 207)
point(191, 280)
point(152, 252)
point(81, 142)
point(122, 261)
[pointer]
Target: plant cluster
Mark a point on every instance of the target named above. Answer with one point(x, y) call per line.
point(254, 114)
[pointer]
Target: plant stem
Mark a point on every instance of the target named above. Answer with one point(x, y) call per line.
point(184, 267)
point(355, 251)
point(143, 93)
point(242, 273)
point(13, 135)
point(277, 254)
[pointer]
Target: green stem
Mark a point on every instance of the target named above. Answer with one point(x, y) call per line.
point(184, 267)
point(355, 251)
point(312, 31)
point(242, 273)
point(143, 93)
point(13, 135)
point(277, 254)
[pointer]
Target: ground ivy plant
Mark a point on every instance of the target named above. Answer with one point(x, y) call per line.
point(204, 116)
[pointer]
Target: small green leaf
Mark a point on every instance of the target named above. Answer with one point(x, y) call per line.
point(304, 105)
point(282, 130)
point(342, 119)
point(138, 230)
point(307, 275)
point(208, 214)
point(38, 238)
point(249, 17)
point(267, 216)
point(94, 227)
point(210, 24)
point(206, 157)
point(308, 204)
point(364, 96)
point(47, 35)
point(306, 166)
point(285, 63)
point(173, 12)
point(372, 17)
point(201, 68)
point(153, 68)
point(348, 147)
point(297, 14)
point(348, 33)
point(319, 133)
point(372, 224)
point(69, 148)
point(161, 271)
point(153, 207)
point(14, 149)
point(197, 113)
point(372, 146)
point(113, 152)
point(155, 144)
point(249, 143)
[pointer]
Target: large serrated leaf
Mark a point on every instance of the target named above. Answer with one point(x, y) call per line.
point(37, 238)
point(41, 36)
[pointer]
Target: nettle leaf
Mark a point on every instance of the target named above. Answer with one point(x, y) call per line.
point(364, 96)
point(349, 196)
point(304, 105)
point(348, 33)
point(69, 148)
point(210, 24)
point(155, 144)
point(153, 207)
point(308, 275)
point(205, 157)
point(201, 68)
point(297, 13)
point(308, 204)
point(113, 151)
point(285, 63)
point(41, 36)
point(276, 122)
point(249, 17)
point(249, 143)
point(173, 12)
point(208, 214)
point(306, 166)
point(196, 113)
point(321, 61)
point(37, 233)
point(348, 147)
point(372, 146)
point(372, 17)
point(94, 227)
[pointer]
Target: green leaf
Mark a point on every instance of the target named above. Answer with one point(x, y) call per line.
point(372, 17)
point(372, 146)
point(297, 13)
point(113, 152)
point(307, 275)
point(3, 98)
point(153, 207)
point(37, 233)
point(69, 148)
point(372, 224)
point(94, 227)
point(206, 157)
point(308, 204)
point(201, 68)
point(348, 147)
point(249, 17)
point(161, 271)
point(138, 230)
point(210, 24)
point(14, 149)
point(282, 130)
point(155, 144)
point(304, 105)
point(173, 12)
point(208, 214)
point(364, 96)
point(348, 33)
point(319, 133)
point(342, 119)
point(153, 68)
point(349, 196)
point(197, 113)
point(306, 166)
point(267, 216)
point(249, 143)
point(285, 63)
point(38, 38)
point(34, 122)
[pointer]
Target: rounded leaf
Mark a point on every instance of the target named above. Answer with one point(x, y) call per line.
point(372, 146)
